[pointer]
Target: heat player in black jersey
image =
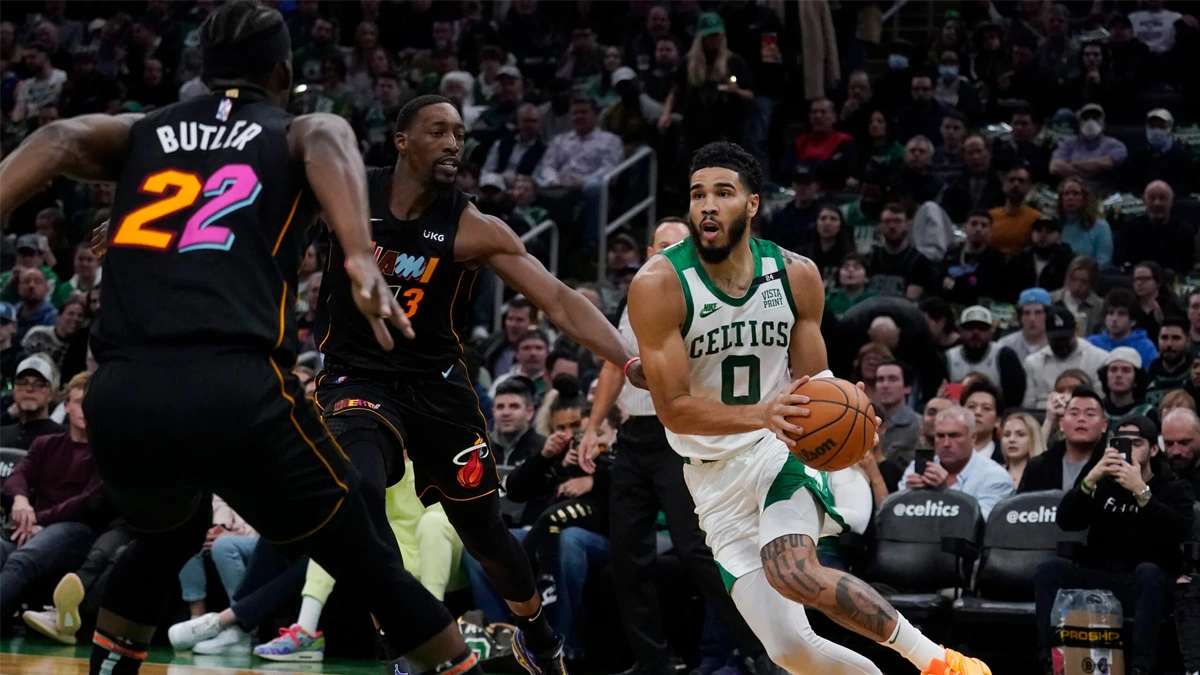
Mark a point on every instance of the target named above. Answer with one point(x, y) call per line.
point(193, 394)
point(430, 241)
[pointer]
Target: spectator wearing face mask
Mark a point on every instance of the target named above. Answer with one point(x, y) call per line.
point(1157, 235)
point(1160, 158)
point(1091, 155)
point(954, 91)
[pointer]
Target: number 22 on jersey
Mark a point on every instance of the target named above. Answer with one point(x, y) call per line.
point(232, 187)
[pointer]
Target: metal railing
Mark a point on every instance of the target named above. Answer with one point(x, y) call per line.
point(646, 205)
point(535, 232)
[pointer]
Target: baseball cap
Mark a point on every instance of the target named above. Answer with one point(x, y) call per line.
point(623, 74)
point(493, 180)
point(1145, 428)
point(8, 313)
point(1060, 323)
point(1089, 108)
point(1047, 224)
point(975, 314)
point(803, 173)
point(29, 242)
point(625, 238)
point(40, 364)
point(1127, 354)
point(1161, 114)
point(509, 71)
point(1034, 296)
point(710, 23)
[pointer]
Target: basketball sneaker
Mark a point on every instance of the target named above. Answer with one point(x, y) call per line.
point(232, 640)
point(548, 663)
point(63, 622)
point(185, 634)
point(294, 644)
point(957, 664)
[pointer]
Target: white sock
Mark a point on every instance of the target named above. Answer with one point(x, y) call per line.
point(310, 614)
point(913, 645)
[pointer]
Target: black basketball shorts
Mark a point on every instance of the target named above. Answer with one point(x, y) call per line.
point(434, 418)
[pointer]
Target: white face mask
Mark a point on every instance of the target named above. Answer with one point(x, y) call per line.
point(1091, 129)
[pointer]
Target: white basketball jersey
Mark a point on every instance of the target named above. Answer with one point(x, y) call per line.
point(737, 347)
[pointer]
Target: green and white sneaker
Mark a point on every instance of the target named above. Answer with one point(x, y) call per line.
point(294, 644)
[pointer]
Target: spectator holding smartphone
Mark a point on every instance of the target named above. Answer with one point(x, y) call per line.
point(1137, 513)
point(956, 465)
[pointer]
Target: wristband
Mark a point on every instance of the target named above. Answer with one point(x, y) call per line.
point(630, 362)
point(1087, 489)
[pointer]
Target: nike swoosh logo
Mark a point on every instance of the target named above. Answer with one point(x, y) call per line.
point(447, 373)
point(709, 309)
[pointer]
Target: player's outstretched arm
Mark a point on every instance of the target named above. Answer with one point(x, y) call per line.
point(491, 242)
point(656, 312)
point(806, 351)
point(335, 171)
point(88, 147)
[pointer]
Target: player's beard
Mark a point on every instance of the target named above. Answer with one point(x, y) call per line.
point(715, 255)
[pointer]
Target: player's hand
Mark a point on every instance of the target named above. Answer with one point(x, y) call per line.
point(100, 239)
point(576, 487)
point(22, 512)
point(637, 376)
point(375, 300)
point(786, 404)
point(555, 444)
point(935, 475)
point(589, 450)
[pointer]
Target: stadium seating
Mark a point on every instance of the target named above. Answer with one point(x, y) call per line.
point(926, 541)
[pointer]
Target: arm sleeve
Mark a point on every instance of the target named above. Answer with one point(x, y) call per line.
point(852, 493)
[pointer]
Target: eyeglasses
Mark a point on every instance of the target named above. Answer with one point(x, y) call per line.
point(32, 383)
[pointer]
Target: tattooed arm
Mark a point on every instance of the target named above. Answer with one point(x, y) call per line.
point(790, 563)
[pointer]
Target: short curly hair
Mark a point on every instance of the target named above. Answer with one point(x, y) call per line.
point(729, 156)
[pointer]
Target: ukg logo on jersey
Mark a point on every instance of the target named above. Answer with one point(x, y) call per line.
point(930, 509)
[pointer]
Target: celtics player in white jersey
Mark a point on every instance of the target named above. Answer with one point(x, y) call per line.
point(728, 327)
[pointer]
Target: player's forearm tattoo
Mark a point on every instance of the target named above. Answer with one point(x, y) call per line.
point(792, 569)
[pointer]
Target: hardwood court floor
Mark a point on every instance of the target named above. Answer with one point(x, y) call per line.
point(34, 656)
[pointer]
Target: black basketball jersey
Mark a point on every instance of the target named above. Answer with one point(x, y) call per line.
point(416, 258)
point(207, 230)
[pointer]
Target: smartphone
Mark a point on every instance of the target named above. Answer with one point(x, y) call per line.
point(923, 457)
point(1123, 445)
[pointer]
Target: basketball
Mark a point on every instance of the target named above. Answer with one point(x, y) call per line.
point(840, 427)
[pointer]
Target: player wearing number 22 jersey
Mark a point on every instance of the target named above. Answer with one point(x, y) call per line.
point(724, 324)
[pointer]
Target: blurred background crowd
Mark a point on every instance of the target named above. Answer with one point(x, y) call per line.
point(1001, 198)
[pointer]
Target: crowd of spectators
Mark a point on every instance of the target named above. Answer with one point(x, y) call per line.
point(1004, 214)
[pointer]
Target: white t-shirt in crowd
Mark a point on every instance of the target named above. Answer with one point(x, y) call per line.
point(1155, 29)
point(37, 93)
